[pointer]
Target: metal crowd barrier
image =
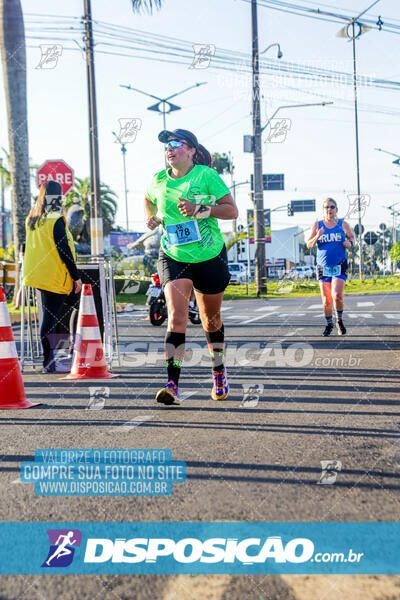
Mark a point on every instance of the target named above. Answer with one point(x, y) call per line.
point(96, 270)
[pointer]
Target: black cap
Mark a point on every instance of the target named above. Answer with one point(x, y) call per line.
point(180, 134)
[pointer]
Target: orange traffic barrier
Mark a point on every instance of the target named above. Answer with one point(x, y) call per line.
point(12, 392)
point(88, 361)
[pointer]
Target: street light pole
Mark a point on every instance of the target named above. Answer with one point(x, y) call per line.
point(259, 230)
point(344, 32)
point(163, 105)
point(360, 249)
point(123, 150)
point(96, 212)
point(293, 106)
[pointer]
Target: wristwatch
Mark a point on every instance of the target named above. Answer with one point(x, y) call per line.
point(202, 211)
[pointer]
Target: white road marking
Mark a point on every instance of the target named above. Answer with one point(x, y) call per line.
point(187, 395)
point(226, 308)
point(263, 308)
point(257, 318)
point(365, 303)
point(359, 315)
point(236, 316)
point(135, 422)
point(294, 332)
point(392, 315)
point(314, 306)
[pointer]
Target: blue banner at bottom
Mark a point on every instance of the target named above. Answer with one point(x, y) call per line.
point(202, 548)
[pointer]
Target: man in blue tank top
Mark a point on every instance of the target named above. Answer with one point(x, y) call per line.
point(332, 236)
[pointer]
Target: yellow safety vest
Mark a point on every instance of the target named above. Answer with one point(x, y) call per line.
point(43, 267)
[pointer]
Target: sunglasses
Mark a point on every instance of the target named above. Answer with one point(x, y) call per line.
point(331, 206)
point(174, 144)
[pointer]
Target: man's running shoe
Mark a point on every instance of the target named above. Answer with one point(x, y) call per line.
point(341, 328)
point(328, 330)
point(169, 394)
point(220, 388)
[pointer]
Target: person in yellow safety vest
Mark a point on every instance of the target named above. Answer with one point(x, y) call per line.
point(49, 266)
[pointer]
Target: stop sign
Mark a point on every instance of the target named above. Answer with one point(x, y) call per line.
point(57, 170)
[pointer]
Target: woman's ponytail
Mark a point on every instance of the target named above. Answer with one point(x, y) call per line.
point(50, 198)
point(202, 156)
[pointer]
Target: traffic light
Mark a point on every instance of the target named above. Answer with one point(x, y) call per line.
point(289, 210)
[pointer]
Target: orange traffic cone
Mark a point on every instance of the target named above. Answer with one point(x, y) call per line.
point(89, 361)
point(12, 392)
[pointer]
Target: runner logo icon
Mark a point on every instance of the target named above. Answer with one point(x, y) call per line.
point(63, 543)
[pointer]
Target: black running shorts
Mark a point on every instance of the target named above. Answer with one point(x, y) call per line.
point(209, 277)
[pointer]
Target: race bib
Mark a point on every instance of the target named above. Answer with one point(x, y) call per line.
point(332, 271)
point(183, 233)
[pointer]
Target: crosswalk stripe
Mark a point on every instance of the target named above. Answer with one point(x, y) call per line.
point(365, 303)
point(257, 318)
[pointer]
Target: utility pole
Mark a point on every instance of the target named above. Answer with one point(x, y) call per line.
point(259, 230)
point(96, 212)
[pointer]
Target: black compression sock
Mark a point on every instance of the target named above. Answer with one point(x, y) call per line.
point(174, 353)
point(215, 341)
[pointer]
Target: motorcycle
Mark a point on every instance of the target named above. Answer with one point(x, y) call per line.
point(158, 305)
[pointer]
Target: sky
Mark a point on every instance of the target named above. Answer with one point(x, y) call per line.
point(318, 155)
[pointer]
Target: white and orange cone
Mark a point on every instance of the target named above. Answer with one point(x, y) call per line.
point(88, 361)
point(12, 391)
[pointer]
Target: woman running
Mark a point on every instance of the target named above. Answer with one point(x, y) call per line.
point(189, 198)
point(332, 236)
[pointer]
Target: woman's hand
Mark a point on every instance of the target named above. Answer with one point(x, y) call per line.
point(78, 285)
point(347, 244)
point(153, 222)
point(320, 232)
point(186, 208)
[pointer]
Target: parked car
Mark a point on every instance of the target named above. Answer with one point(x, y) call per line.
point(301, 273)
point(237, 272)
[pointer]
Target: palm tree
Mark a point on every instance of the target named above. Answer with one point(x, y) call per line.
point(80, 194)
point(5, 169)
point(139, 5)
point(13, 54)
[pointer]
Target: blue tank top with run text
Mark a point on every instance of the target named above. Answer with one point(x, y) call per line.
point(330, 249)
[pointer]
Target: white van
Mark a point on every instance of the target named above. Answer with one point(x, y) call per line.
point(237, 272)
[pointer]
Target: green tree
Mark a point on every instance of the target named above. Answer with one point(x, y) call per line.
point(394, 253)
point(221, 163)
point(80, 194)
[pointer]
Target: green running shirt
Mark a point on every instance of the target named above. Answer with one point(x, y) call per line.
point(202, 185)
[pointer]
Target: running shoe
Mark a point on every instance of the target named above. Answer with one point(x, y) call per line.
point(169, 394)
point(328, 330)
point(220, 388)
point(341, 328)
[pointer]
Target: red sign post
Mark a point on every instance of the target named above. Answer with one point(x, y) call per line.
point(57, 170)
